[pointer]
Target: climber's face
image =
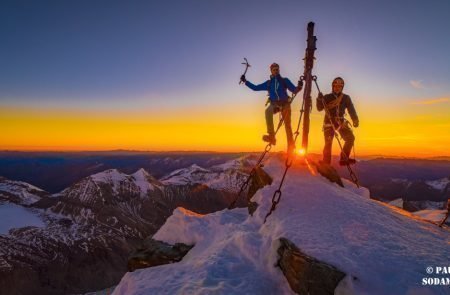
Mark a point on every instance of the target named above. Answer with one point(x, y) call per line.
point(338, 86)
point(275, 71)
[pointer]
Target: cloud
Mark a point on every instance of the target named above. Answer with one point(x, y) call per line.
point(418, 84)
point(431, 101)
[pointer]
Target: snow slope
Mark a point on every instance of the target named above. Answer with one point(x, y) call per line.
point(111, 183)
point(432, 215)
point(144, 181)
point(227, 176)
point(397, 203)
point(388, 252)
point(27, 193)
point(14, 216)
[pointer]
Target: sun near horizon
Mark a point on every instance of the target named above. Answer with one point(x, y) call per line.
point(191, 130)
point(162, 79)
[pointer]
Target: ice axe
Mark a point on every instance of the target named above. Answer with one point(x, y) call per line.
point(247, 65)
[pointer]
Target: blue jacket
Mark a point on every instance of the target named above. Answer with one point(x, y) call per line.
point(275, 87)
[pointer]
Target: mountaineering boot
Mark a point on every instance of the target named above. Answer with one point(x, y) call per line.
point(345, 162)
point(270, 138)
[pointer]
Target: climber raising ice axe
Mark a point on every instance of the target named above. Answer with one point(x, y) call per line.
point(277, 87)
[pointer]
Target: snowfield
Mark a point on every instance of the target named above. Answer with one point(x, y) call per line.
point(381, 249)
point(26, 192)
point(227, 176)
point(14, 216)
point(432, 215)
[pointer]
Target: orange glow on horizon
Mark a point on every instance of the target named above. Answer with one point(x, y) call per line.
point(416, 132)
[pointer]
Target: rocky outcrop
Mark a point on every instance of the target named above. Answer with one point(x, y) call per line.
point(259, 180)
point(305, 274)
point(153, 253)
point(328, 172)
point(423, 191)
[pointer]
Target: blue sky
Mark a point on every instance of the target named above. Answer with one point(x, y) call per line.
point(94, 52)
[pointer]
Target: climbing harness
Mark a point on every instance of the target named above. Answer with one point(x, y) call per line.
point(277, 194)
point(353, 176)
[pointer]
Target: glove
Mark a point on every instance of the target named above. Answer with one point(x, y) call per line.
point(319, 100)
point(356, 123)
point(243, 80)
point(300, 84)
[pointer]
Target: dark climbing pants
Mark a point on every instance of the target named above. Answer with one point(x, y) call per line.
point(286, 115)
point(348, 137)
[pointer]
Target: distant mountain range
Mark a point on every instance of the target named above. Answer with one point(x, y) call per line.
point(86, 231)
point(54, 172)
point(408, 179)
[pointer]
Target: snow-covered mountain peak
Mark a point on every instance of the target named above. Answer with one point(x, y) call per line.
point(197, 168)
point(19, 192)
point(185, 175)
point(387, 252)
point(216, 178)
point(234, 164)
point(25, 185)
point(102, 187)
point(241, 163)
point(439, 184)
point(140, 173)
point(212, 176)
point(110, 175)
point(145, 181)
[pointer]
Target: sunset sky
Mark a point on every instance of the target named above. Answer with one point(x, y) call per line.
point(163, 75)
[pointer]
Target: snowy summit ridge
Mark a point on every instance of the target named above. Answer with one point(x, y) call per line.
point(227, 176)
point(380, 249)
point(24, 193)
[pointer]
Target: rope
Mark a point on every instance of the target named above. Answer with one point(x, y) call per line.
point(261, 158)
point(289, 160)
point(353, 176)
point(257, 165)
